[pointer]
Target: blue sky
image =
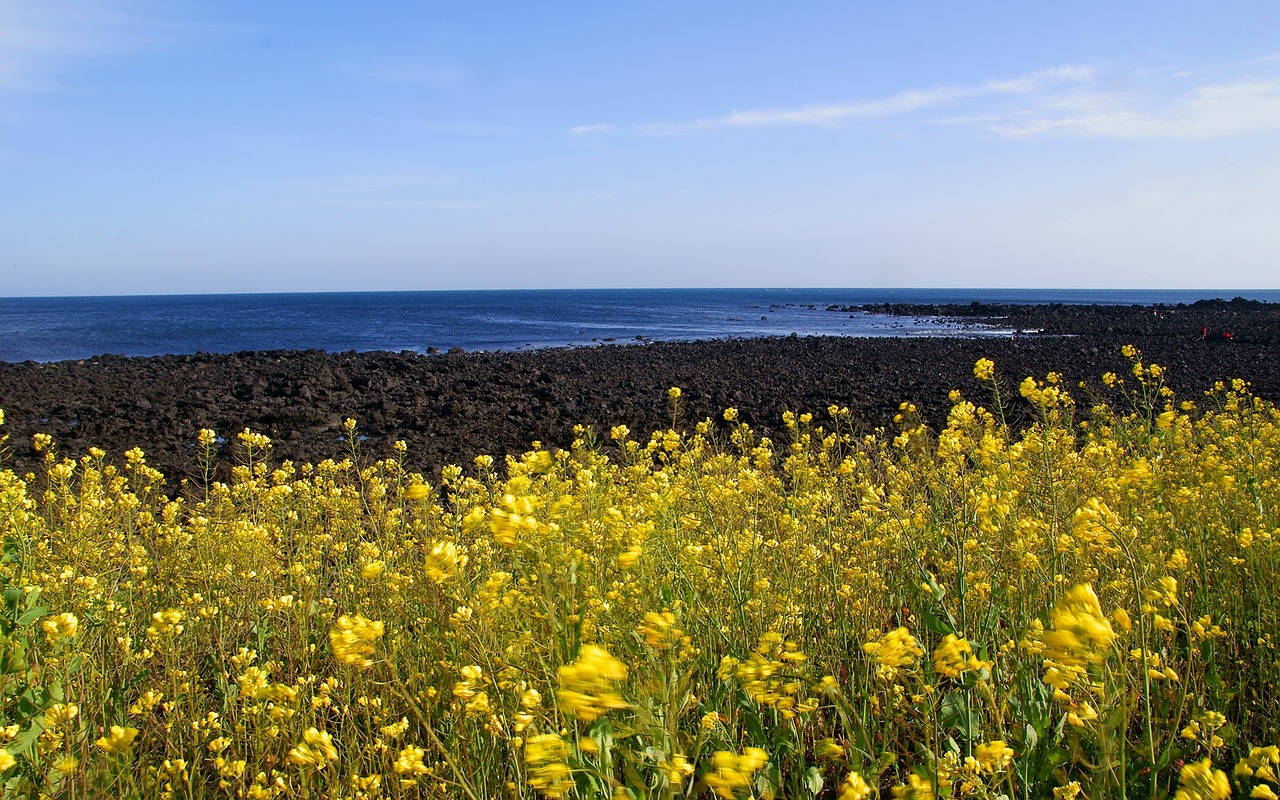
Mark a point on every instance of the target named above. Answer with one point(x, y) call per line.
point(231, 146)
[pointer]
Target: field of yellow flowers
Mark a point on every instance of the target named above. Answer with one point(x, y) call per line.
point(1083, 608)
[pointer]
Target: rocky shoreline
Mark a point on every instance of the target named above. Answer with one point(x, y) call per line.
point(452, 407)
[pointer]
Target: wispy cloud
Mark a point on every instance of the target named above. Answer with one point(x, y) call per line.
point(1070, 100)
point(834, 114)
point(39, 41)
point(1200, 112)
point(587, 130)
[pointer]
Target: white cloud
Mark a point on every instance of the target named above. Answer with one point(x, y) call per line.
point(40, 40)
point(583, 130)
point(1068, 100)
point(1203, 112)
point(833, 114)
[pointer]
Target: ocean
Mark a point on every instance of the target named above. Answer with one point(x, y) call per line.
point(61, 328)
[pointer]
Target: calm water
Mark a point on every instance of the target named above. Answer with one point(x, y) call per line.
point(52, 329)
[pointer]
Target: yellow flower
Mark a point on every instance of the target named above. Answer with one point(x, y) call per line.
point(854, 787)
point(1200, 781)
point(984, 369)
point(916, 788)
point(1081, 632)
point(67, 764)
point(63, 626)
point(6, 761)
point(315, 750)
point(586, 685)
point(897, 649)
point(676, 769)
point(674, 393)
point(59, 714)
point(352, 640)
point(954, 656)
point(410, 761)
point(511, 519)
point(659, 630)
point(993, 756)
point(165, 623)
point(545, 755)
point(443, 561)
point(416, 491)
point(1068, 792)
point(730, 414)
point(119, 741)
point(828, 748)
point(478, 704)
point(733, 772)
point(630, 556)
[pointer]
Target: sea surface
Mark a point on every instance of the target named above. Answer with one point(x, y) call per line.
point(60, 328)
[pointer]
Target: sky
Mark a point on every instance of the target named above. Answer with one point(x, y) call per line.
point(157, 147)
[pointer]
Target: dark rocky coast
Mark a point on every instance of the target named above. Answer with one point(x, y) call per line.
point(452, 407)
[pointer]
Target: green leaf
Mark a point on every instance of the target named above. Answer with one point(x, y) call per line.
point(957, 716)
point(11, 597)
point(938, 591)
point(23, 741)
point(813, 780)
point(1030, 737)
point(32, 614)
point(13, 657)
point(938, 626)
point(32, 702)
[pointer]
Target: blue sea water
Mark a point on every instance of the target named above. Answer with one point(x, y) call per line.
point(59, 328)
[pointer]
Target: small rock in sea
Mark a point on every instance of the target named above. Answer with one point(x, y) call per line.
point(433, 351)
point(455, 350)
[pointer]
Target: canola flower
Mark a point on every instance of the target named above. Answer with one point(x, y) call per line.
point(1200, 781)
point(855, 787)
point(352, 640)
point(635, 615)
point(894, 651)
point(732, 773)
point(588, 685)
point(315, 750)
point(62, 626)
point(118, 741)
point(410, 761)
point(954, 656)
point(443, 561)
point(546, 756)
point(1081, 635)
